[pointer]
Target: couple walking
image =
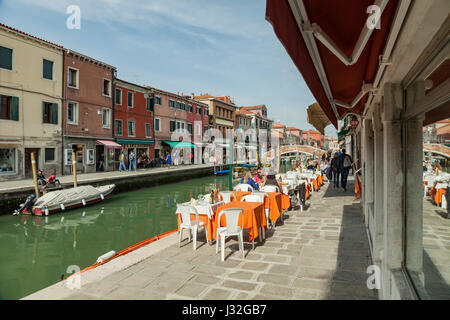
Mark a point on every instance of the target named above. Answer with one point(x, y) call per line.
point(132, 161)
point(341, 165)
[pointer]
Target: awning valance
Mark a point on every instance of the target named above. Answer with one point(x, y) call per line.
point(129, 141)
point(109, 144)
point(177, 144)
point(317, 117)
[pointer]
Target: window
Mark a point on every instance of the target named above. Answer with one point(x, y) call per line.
point(131, 129)
point(118, 97)
point(150, 102)
point(72, 113)
point(148, 130)
point(178, 105)
point(171, 104)
point(130, 100)
point(107, 87)
point(189, 108)
point(9, 108)
point(47, 69)
point(183, 106)
point(6, 58)
point(198, 129)
point(49, 112)
point(49, 154)
point(118, 127)
point(189, 128)
point(206, 112)
point(171, 125)
point(158, 100)
point(156, 125)
point(106, 118)
point(199, 110)
point(68, 157)
point(180, 125)
point(73, 78)
point(7, 160)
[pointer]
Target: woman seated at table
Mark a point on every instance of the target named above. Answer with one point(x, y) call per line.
point(272, 180)
point(247, 179)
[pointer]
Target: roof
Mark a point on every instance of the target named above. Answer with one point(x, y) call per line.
point(27, 35)
point(77, 54)
point(293, 128)
point(261, 106)
point(326, 59)
point(444, 130)
point(223, 99)
point(176, 96)
point(243, 112)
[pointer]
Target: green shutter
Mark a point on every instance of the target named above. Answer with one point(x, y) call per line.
point(14, 108)
point(55, 113)
point(6, 58)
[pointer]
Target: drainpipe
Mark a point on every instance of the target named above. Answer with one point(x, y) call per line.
point(63, 114)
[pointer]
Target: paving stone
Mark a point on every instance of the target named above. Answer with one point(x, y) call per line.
point(242, 275)
point(239, 285)
point(136, 280)
point(288, 270)
point(217, 294)
point(123, 293)
point(191, 290)
point(274, 279)
point(277, 291)
point(311, 284)
point(275, 258)
point(81, 296)
point(258, 266)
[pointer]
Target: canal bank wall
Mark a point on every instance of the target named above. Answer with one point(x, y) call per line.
point(13, 193)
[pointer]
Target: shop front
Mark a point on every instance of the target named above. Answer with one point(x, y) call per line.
point(180, 151)
point(9, 159)
point(144, 151)
point(106, 155)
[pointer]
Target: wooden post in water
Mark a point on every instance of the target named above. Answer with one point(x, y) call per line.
point(33, 167)
point(74, 166)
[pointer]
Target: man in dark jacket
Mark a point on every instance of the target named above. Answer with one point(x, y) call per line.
point(344, 165)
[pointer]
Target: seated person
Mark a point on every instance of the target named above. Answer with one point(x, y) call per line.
point(247, 179)
point(41, 178)
point(52, 181)
point(272, 180)
point(259, 178)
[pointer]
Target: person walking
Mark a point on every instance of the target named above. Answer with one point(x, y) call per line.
point(122, 162)
point(344, 164)
point(101, 166)
point(335, 170)
point(168, 160)
point(132, 160)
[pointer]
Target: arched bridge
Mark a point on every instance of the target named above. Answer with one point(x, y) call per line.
point(298, 149)
point(439, 149)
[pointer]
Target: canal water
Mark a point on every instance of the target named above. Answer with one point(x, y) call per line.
point(36, 251)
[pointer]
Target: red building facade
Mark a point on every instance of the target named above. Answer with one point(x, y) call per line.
point(134, 119)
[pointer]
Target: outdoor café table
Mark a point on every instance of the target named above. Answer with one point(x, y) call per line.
point(279, 203)
point(206, 213)
point(254, 217)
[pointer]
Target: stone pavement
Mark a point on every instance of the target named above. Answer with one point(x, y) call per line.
point(436, 256)
point(320, 253)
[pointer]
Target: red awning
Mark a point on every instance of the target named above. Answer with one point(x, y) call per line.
point(110, 144)
point(342, 21)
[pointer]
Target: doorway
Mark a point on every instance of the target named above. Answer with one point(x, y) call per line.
point(28, 167)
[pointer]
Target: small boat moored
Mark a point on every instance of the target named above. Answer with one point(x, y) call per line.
point(62, 200)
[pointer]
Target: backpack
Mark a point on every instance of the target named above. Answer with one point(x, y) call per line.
point(347, 161)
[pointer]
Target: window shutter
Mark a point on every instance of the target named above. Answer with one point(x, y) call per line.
point(43, 112)
point(14, 108)
point(55, 113)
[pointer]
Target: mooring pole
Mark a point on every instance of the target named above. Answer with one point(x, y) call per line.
point(74, 165)
point(33, 167)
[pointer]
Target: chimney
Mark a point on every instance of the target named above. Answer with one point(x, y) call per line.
point(192, 95)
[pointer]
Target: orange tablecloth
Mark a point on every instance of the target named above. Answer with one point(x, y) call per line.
point(308, 190)
point(253, 218)
point(240, 194)
point(314, 181)
point(439, 193)
point(279, 202)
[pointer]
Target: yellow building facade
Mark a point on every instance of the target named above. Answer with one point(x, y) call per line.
point(31, 93)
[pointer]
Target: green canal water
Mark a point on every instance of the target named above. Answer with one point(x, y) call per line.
point(36, 251)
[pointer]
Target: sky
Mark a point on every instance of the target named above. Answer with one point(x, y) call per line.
point(220, 47)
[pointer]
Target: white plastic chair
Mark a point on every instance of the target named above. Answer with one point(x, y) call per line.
point(186, 223)
point(270, 188)
point(267, 210)
point(231, 229)
point(227, 195)
point(243, 187)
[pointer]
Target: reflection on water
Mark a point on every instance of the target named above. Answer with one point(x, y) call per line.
point(36, 251)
